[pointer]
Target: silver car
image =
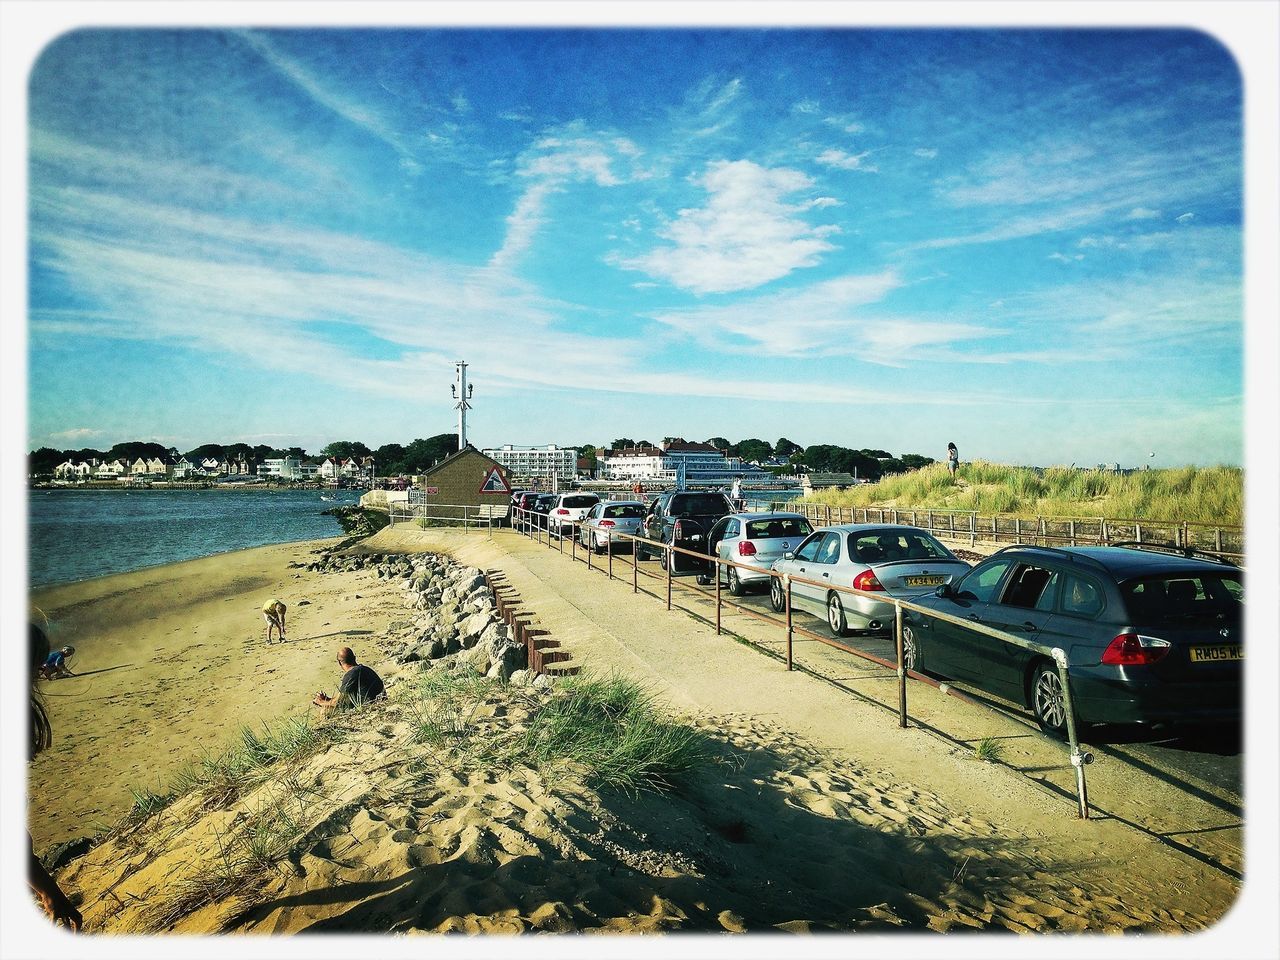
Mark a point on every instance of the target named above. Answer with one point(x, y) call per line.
point(607, 519)
point(567, 511)
point(757, 540)
point(896, 561)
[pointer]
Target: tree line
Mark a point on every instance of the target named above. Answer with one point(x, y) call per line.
point(390, 459)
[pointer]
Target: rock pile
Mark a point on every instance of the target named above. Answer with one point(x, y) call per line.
point(455, 623)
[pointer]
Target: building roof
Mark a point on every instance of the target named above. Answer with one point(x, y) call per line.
point(454, 456)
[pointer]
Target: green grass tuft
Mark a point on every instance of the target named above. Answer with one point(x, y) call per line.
point(988, 750)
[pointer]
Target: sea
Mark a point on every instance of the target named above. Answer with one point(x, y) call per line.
point(78, 534)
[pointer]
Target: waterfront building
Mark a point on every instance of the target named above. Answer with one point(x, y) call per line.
point(468, 481)
point(678, 463)
point(546, 461)
point(280, 468)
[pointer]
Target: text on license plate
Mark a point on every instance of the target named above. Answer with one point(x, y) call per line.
point(924, 581)
point(1217, 654)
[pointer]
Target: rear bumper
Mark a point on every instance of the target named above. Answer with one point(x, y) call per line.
point(1107, 699)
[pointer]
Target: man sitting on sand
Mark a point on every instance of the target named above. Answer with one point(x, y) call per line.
point(359, 684)
point(273, 613)
point(55, 665)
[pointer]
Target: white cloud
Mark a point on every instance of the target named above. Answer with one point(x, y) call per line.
point(847, 123)
point(1185, 217)
point(1143, 213)
point(76, 434)
point(925, 153)
point(746, 235)
point(845, 161)
point(460, 103)
point(805, 106)
point(1064, 258)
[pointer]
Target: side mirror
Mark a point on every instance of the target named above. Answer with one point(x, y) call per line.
point(945, 591)
point(788, 555)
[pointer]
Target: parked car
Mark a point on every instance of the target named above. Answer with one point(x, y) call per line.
point(682, 519)
point(890, 559)
point(569, 509)
point(1150, 637)
point(756, 540)
point(607, 519)
point(542, 508)
point(522, 504)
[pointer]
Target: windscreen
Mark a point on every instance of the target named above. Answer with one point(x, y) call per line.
point(699, 504)
point(625, 511)
point(877, 546)
point(1179, 598)
point(796, 527)
point(582, 501)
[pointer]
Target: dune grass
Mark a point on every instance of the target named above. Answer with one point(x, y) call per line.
point(612, 727)
point(1213, 495)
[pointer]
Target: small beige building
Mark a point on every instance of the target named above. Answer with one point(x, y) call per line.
point(465, 479)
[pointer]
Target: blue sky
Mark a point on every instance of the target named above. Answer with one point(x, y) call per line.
point(1028, 242)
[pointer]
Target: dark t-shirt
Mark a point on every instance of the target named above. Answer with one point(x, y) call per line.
point(360, 684)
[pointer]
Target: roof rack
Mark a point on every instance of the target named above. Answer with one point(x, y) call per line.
point(1190, 553)
point(1056, 551)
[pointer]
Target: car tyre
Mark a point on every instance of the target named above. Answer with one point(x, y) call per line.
point(835, 616)
point(1047, 701)
point(735, 582)
point(777, 595)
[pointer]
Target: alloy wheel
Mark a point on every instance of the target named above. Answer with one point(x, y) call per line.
point(1047, 700)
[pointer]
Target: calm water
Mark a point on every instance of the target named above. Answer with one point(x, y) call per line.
point(76, 534)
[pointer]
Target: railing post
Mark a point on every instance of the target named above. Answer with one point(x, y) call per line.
point(789, 631)
point(573, 544)
point(973, 529)
point(1078, 759)
point(902, 668)
point(608, 548)
point(1071, 531)
point(668, 562)
point(1102, 526)
point(715, 567)
point(1137, 530)
point(591, 546)
point(635, 566)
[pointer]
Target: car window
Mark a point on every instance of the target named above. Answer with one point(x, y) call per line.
point(980, 584)
point(732, 528)
point(699, 504)
point(1050, 593)
point(1080, 597)
point(778, 527)
point(624, 511)
point(829, 552)
point(580, 501)
point(1184, 599)
point(1026, 586)
point(809, 549)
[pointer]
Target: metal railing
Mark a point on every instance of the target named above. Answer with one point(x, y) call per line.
point(1225, 540)
point(448, 514)
point(537, 526)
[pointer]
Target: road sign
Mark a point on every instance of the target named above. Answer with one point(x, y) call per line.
point(495, 482)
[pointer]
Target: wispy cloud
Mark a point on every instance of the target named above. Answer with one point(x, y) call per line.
point(925, 153)
point(746, 234)
point(846, 161)
point(76, 434)
point(1143, 213)
point(1185, 217)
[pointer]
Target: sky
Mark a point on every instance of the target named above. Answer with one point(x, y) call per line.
point(1027, 242)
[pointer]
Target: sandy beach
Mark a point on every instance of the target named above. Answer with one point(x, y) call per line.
point(815, 813)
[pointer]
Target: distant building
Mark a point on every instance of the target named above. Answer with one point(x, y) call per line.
point(678, 463)
point(548, 461)
point(469, 479)
point(280, 468)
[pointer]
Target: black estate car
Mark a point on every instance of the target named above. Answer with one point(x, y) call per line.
point(683, 519)
point(1151, 637)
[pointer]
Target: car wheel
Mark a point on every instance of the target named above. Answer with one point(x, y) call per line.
point(703, 580)
point(735, 582)
point(910, 651)
point(777, 595)
point(1047, 701)
point(835, 616)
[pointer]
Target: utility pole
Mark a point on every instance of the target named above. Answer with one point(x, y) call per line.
point(462, 393)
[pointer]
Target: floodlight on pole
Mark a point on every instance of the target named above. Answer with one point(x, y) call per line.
point(462, 393)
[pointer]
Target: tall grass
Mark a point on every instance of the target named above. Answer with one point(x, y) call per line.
point(1197, 494)
point(611, 726)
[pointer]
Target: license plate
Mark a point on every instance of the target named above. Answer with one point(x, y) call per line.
point(1217, 654)
point(924, 581)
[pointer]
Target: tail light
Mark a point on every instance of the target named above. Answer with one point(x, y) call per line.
point(606, 523)
point(676, 531)
point(1132, 649)
point(866, 580)
point(562, 512)
point(746, 548)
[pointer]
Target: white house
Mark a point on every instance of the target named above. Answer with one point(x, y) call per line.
point(112, 470)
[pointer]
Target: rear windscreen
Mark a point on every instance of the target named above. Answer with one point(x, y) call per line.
point(579, 501)
point(778, 527)
point(877, 546)
point(625, 511)
point(1184, 599)
point(699, 504)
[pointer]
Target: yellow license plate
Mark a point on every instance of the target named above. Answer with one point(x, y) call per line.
point(1217, 654)
point(924, 581)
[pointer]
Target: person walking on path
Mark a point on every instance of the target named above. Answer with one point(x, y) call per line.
point(359, 684)
point(953, 460)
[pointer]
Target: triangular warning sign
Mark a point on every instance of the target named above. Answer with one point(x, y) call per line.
point(494, 482)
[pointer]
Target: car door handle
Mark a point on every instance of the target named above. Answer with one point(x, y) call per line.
point(974, 617)
point(826, 575)
point(1030, 627)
